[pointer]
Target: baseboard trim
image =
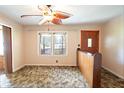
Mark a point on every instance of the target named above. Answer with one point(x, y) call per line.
point(18, 68)
point(113, 72)
point(47, 65)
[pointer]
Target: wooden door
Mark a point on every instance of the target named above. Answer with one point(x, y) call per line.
point(7, 48)
point(90, 41)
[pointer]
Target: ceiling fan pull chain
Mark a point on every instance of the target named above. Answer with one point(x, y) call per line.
point(48, 26)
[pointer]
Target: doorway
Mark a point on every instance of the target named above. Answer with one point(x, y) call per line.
point(6, 49)
point(90, 41)
point(2, 68)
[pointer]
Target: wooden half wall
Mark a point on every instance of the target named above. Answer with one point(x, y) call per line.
point(1, 63)
point(90, 67)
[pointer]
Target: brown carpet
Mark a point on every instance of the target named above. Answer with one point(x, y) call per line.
point(109, 80)
point(44, 77)
point(54, 77)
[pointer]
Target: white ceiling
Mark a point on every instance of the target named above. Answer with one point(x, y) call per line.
point(81, 13)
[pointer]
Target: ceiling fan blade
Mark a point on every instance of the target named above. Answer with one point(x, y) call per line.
point(29, 15)
point(45, 9)
point(43, 21)
point(61, 15)
point(56, 21)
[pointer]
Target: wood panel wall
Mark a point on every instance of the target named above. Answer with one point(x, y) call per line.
point(90, 67)
point(1, 62)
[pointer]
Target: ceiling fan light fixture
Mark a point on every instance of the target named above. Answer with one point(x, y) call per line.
point(49, 18)
point(50, 15)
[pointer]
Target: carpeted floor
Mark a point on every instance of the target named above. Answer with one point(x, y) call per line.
point(54, 77)
point(109, 80)
point(44, 77)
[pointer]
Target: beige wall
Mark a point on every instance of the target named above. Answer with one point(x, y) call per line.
point(17, 41)
point(31, 44)
point(112, 45)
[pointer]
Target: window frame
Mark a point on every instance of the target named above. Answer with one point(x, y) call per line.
point(52, 54)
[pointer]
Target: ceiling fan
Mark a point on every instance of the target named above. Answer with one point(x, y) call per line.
point(50, 15)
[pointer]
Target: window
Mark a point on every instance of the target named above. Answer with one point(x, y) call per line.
point(1, 43)
point(53, 43)
point(59, 45)
point(89, 42)
point(46, 43)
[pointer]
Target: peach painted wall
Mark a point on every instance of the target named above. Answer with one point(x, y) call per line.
point(112, 45)
point(17, 41)
point(31, 44)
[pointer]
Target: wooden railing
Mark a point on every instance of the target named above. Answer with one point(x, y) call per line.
point(90, 67)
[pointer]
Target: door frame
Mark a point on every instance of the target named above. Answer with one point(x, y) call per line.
point(8, 67)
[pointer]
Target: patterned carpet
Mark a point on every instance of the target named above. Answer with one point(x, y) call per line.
point(44, 77)
point(109, 80)
point(54, 77)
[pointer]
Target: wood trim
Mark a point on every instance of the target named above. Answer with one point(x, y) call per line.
point(7, 48)
point(97, 70)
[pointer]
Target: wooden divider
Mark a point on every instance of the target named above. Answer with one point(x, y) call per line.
point(90, 67)
point(1, 62)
